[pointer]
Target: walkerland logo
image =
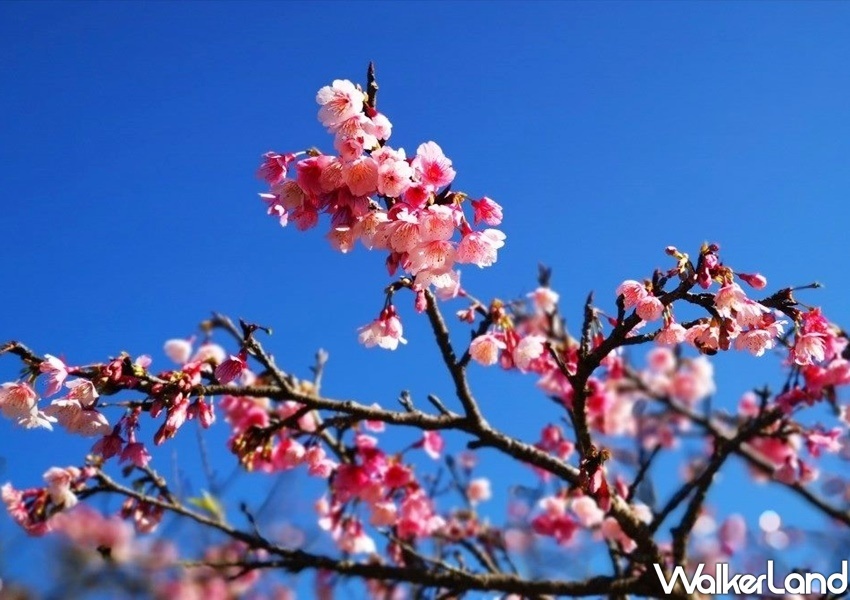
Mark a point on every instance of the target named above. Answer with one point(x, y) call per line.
point(746, 583)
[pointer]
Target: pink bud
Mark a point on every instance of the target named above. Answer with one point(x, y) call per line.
point(755, 280)
point(231, 368)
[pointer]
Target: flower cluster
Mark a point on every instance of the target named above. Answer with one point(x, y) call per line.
point(387, 200)
point(34, 508)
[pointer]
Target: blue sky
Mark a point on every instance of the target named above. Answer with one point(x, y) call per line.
point(131, 134)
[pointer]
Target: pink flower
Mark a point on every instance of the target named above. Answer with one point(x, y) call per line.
point(446, 282)
point(110, 444)
point(479, 247)
point(273, 169)
point(632, 292)
point(361, 176)
point(385, 332)
point(661, 360)
point(384, 514)
point(432, 166)
point(487, 211)
point(319, 464)
point(136, 453)
point(75, 419)
point(178, 351)
point(397, 476)
point(704, 336)
point(56, 372)
point(588, 512)
point(436, 255)
point(289, 454)
point(33, 522)
point(351, 538)
point(17, 400)
point(809, 348)
point(694, 381)
point(210, 353)
point(232, 368)
point(339, 102)
point(342, 239)
point(817, 440)
point(416, 516)
point(83, 391)
point(478, 490)
point(485, 349)
point(671, 334)
point(756, 341)
point(437, 222)
point(527, 350)
point(554, 521)
point(404, 235)
point(432, 443)
point(545, 299)
point(59, 485)
point(649, 308)
point(394, 178)
point(88, 530)
point(732, 302)
point(382, 126)
point(204, 411)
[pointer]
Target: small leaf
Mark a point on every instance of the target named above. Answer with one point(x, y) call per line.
point(209, 504)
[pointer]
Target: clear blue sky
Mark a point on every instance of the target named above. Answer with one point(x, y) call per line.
point(131, 133)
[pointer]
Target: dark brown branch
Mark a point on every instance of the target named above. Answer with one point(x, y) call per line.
point(456, 370)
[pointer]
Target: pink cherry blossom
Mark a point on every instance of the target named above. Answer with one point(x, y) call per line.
point(527, 350)
point(671, 334)
point(110, 444)
point(417, 517)
point(587, 511)
point(210, 353)
point(56, 372)
point(76, 419)
point(83, 391)
point(809, 348)
point(17, 400)
point(757, 341)
point(554, 521)
point(231, 368)
point(545, 299)
point(382, 126)
point(632, 292)
point(361, 176)
point(649, 308)
point(485, 349)
point(384, 513)
point(339, 102)
point(478, 490)
point(394, 177)
point(432, 443)
point(59, 485)
point(432, 166)
point(274, 167)
point(487, 211)
point(479, 247)
point(437, 222)
point(178, 350)
point(384, 332)
point(136, 453)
